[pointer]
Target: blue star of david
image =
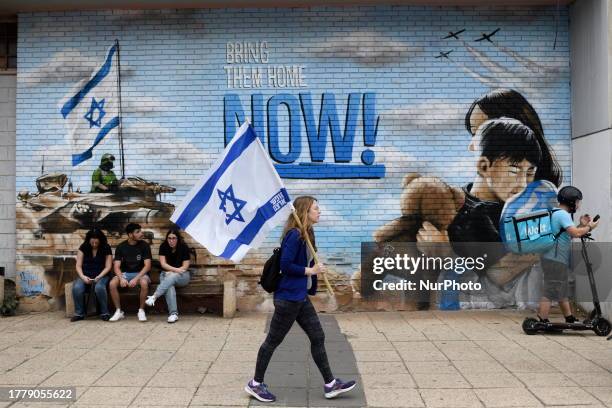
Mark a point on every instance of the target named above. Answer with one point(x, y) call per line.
point(95, 106)
point(238, 205)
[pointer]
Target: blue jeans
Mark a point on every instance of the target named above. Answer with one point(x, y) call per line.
point(78, 293)
point(167, 282)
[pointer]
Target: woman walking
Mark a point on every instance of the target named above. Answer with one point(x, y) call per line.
point(292, 304)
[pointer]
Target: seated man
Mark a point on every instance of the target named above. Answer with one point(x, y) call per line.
point(132, 265)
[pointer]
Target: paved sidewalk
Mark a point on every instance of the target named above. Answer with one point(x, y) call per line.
point(404, 359)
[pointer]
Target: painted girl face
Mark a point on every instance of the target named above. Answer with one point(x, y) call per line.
point(477, 118)
point(172, 240)
point(314, 212)
point(506, 179)
point(94, 242)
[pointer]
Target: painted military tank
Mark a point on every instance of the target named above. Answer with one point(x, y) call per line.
point(132, 199)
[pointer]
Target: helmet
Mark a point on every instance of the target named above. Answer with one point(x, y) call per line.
point(107, 157)
point(568, 195)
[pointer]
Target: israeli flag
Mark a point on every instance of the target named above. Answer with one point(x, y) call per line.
point(91, 110)
point(239, 199)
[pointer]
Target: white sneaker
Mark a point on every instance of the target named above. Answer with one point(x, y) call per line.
point(117, 316)
point(150, 301)
point(141, 315)
point(172, 318)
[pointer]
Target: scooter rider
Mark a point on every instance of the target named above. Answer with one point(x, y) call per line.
point(556, 261)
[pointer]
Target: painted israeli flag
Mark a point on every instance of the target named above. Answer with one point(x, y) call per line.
point(239, 199)
point(91, 109)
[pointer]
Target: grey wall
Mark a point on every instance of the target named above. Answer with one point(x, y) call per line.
point(591, 62)
point(7, 173)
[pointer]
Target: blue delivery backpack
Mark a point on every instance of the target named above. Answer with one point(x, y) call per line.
point(525, 224)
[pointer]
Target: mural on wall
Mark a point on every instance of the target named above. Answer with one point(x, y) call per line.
point(380, 124)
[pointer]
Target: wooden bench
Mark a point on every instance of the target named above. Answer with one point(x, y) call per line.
point(217, 296)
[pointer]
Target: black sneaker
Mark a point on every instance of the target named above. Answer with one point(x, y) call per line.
point(543, 320)
point(571, 319)
point(76, 318)
point(105, 317)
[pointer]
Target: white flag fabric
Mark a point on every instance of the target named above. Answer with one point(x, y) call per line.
point(239, 199)
point(91, 109)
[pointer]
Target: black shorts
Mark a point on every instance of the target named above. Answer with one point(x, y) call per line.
point(555, 284)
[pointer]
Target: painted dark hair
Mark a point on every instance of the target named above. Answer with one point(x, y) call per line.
point(91, 234)
point(507, 138)
point(511, 104)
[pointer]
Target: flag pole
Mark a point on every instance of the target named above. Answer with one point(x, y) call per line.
point(312, 250)
point(122, 157)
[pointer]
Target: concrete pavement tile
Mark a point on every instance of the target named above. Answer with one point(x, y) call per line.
point(185, 366)
point(73, 378)
point(219, 396)
point(478, 367)
point(119, 377)
point(463, 350)
point(444, 398)
point(428, 367)
point(419, 351)
point(381, 368)
point(576, 365)
point(604, 394)
point(398, 381)
point(108, 396)
point(20, 377)
point(482, 333)
point(37, 404)
point(234, 367)
point(178, 379)
point(154, 396)
point(563, 396)
point(285, 396)
point(539, 380)
point(405, 335)
point(442, 332)
point(238, 355)
point(507, 397)
point(523, 365)
point(440, 380)
point(286, 379)
point(195, 355)
point(365, 345)
point(230, 381)
point(600, 379)
point(493, 380)
point(380, 355)
point(400, 398)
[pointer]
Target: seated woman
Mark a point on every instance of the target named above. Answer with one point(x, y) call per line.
point(94, 262)
point(174, 260)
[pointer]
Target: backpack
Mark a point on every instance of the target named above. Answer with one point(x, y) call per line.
point(271, 274)
point(526, 222)
point(530, 233)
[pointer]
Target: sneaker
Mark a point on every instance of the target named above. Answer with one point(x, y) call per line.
point(105, 317)
point(76, 318)
point(543, 320)
point(150, 301)
point(119, 315)
point(172, 318)
point(142, 317)
point(339, 387)
point(260, 392)
point(571, 319)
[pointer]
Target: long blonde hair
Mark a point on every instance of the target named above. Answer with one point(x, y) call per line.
point(302, 205)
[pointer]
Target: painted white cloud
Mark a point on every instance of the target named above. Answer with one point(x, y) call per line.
point(368, 48)
point(429, 115)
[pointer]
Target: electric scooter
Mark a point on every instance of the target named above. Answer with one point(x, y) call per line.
point(595, 321)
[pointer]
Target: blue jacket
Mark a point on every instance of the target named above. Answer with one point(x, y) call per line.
point(294, 257)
